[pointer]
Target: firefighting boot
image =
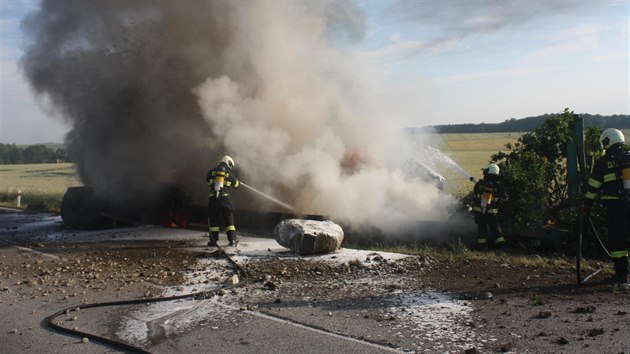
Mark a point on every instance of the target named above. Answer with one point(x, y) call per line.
point(214, 237)
point(622, 270)
point(482, 244)
point(499, 243)
point(231, 236)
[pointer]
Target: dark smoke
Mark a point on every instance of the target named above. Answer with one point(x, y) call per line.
point(121, 72)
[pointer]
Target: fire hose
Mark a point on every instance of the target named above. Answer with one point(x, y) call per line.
point(578, 259)
point(198, 295)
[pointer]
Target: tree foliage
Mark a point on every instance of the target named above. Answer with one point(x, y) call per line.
point(534, 170)
point(11, 154)
point(528, 124)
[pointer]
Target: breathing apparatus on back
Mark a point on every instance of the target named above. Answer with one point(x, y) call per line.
point(488, 192)
point(219, 178)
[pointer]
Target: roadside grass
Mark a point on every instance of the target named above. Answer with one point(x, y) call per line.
point(457, 251)
point(40, 184)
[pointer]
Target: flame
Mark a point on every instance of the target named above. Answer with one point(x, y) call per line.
point(176, 221)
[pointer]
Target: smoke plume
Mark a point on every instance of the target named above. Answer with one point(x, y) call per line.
point(156, 91)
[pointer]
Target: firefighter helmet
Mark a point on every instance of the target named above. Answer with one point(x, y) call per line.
point(228, 161)
point(493, 169)
point(610, 137)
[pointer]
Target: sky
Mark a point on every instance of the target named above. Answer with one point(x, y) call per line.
point(463, 61)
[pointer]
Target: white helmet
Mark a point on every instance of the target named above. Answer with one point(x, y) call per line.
point(228, 161)
point(610, 137)
point(492, 169)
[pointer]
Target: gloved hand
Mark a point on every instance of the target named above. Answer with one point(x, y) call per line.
point(472, 179)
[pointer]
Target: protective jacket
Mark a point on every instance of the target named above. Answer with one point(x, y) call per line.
point(489, 193)
point(607, 180)
point(221, 180)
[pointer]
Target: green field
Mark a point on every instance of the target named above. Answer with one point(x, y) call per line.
point(41, 184)
point(471, 152)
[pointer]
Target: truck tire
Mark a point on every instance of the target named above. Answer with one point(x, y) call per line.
point(82, 210)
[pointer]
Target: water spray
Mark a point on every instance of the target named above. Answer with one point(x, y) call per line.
point(269, 197)
point(451, 162)
point(437, 155)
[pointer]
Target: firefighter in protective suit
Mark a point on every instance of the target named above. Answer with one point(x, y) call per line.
point(220, 209)
point(488, 195)
point(610, 181)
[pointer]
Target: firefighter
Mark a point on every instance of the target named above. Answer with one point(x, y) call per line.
point(610, 181)
point(221, 180)
point(489, 194)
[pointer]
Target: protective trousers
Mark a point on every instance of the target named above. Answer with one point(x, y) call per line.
point(221, 211)
point(485, 221)
point(618, 225)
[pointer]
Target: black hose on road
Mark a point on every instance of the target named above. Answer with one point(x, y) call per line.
point(49, 321)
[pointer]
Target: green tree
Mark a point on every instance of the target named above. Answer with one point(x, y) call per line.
point(534, 171)
point(14, 154)
point(4, 157)
point(38, 154)
point(61, 155)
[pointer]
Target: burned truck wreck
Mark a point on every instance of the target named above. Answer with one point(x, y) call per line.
point(82, 208)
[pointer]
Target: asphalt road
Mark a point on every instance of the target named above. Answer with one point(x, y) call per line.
point(227, 328)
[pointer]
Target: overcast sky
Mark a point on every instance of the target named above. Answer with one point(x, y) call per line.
point(466, 61)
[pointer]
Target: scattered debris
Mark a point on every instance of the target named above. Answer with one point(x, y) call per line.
point(595, 332)
point(587, 309)
point(562, 341)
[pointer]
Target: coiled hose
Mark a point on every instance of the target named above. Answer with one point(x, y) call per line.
point(50, 320)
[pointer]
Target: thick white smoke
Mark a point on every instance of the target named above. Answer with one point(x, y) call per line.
point(315, 105)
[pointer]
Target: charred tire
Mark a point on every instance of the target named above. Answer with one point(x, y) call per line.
point(82, 210)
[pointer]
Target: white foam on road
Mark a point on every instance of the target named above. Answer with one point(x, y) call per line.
point(434, 319)
point(163, 320)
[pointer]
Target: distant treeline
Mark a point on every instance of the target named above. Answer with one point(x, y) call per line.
point(528, 124)
point(13, 154)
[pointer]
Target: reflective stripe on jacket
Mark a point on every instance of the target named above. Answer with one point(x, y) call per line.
point(606, 180)
point(229, 181)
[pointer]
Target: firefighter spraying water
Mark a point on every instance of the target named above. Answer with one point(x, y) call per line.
point(221, 180)
point(489, 194)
